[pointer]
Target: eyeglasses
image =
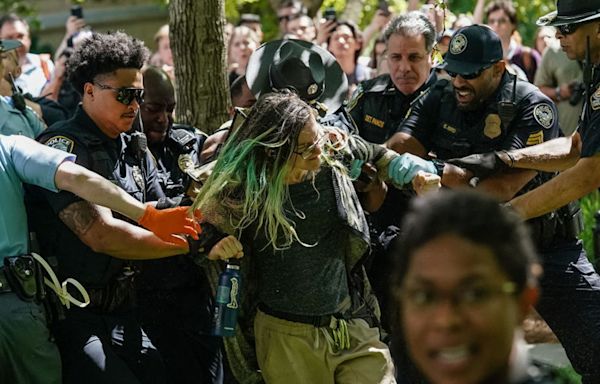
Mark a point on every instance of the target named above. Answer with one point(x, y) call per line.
point(567, 29)
point(469, 76)
point(467, 298)
point(308, 151)
point(125, 95)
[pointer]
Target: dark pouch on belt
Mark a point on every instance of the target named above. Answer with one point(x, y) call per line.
point(21, 274)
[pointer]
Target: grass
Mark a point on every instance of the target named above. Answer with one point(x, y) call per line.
point(590, 204)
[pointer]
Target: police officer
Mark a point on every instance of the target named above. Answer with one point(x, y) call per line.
point(175, 298)
point(103, 342)
point(377, 107)
point(380, 104)
point(27, 354)
point(175, 148)
point(482, 109)
point(16, 119)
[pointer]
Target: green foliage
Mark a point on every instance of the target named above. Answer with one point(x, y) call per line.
point(590, 204)
point(268, 16)
point(567, 375)
point(21, 8)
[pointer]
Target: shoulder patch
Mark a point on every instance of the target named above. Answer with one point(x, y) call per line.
point(595, 100)
point(544, 115)
point(60, 142)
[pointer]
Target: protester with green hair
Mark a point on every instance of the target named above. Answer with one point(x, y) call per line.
point(283, 185)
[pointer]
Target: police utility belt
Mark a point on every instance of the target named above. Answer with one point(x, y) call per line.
point(566, 223)
point(24, 276)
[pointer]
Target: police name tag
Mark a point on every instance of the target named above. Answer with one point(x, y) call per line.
point(60, 142)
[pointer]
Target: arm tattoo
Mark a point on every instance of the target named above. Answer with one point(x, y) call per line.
point(79, 217)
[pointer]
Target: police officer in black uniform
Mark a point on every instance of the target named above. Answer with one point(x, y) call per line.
point(377, 107)
point(103, 343)
point(174, 294)
point(380, 104)
point(486, 109)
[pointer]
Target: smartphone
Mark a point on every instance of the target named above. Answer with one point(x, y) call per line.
point(77, 11)
point(384, 7)
point(330, 14)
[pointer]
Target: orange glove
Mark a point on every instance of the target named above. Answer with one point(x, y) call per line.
point(165, 223)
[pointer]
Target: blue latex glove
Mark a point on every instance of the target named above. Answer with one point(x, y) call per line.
point(403, 168)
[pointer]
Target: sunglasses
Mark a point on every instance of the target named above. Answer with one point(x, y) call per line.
point(468, 76)
point(125, 95)
point(567, 29)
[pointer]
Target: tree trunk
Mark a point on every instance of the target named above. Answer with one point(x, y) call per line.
point(197, 42)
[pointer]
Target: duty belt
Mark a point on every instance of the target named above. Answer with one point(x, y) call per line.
point(4, 285)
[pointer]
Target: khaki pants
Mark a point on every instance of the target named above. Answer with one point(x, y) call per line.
point(290, 352)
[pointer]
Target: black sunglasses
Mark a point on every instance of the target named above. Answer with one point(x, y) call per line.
point(125, 95)
point(567, 29)
point(468, 76)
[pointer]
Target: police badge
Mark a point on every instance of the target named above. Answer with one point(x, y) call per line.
point(458, 44)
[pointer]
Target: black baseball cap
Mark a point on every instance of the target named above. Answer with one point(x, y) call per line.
point(9, 45)
point(472, 49)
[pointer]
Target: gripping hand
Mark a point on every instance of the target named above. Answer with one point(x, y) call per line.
point(166, 223)
point(402, 169)
point(482, 165)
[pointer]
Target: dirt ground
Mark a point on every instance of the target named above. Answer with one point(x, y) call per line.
point(537, 331)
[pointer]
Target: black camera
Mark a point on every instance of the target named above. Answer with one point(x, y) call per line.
point(77, 11)
point(577, 91)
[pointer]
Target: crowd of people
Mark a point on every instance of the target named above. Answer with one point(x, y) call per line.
point(399, 199)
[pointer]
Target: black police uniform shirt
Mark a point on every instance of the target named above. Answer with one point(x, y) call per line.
point(442, 128)
point(377, 107)
point(112, 159)
point(589, 127)
point(181, 149)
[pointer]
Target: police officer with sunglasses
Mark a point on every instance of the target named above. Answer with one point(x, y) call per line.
point(102, 342)
point(578, 26)
point(483, 109)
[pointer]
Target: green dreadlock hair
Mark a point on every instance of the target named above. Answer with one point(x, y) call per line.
point(249, 176)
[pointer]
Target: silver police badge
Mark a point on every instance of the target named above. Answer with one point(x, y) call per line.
point(458, 44)
point(544, 115)
point(60, 142)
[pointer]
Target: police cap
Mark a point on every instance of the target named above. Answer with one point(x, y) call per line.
point(571, 12)
point(472, 49)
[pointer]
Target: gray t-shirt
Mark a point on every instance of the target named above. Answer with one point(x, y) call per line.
point(307, 280)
